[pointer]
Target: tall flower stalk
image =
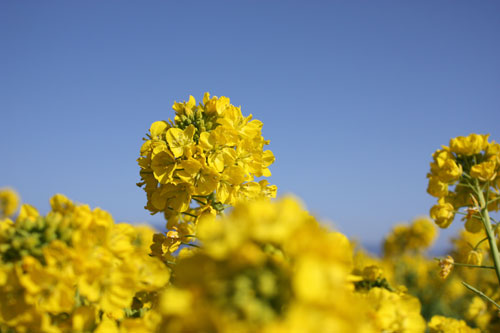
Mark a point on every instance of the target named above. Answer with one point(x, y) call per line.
point(465, 174)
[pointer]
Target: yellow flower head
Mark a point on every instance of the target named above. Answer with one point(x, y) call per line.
point(443, 214)
point(441, 324)
point(469, 145)
point(204, 160)
point(9, 201)
point(484, 171)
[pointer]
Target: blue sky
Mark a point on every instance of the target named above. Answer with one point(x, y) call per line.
point(354, 95)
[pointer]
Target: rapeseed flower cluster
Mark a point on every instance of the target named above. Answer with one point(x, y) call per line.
point(466, 174)
point(9, 201)
point(271, 267)
point(206, 159)
point(264, 266)
point(468, 162)
point(74, 270)
point(410, 238)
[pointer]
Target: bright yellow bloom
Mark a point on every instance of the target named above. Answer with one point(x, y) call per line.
point(163, 164)
point(484, 171)
point(9, 201)
point(27, 212)
point(472, 220)
point(265, 267)
point(469, 145)
point(157, 129)
point(204, 178)
point(395, 312)
point(443, 214)
point(478, 312)
point(475, 257)
point(437, 188)
point(180, 140)
point(173, 196)
point(204, 160)
point(440, 324)
point(413, 238)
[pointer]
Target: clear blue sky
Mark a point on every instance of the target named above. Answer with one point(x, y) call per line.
point(354, 95)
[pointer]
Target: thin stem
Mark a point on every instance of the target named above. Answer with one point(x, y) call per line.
point(190, 244)
point(489, 231)
point(480, 293)
point(189, 214)
point(199, 201)
point(465, 185)
point(469, 265)
point(493, 200)
point(479, 243)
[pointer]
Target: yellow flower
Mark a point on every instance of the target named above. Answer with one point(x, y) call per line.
point(472, 220)
point(180, 140)
point(9, 201)
point(443, 213)
point(27, 212)
point(175, 301)
point(436, 188)
point(484, 171)
point(475, 257)
point(469, 145)
point(204, 178)
point(440, 324)
point(395, 312)
point(204, 160)
point(186, 108)
point(174, 196)
point(157, 129)
point(450, 171)
point(163, 164)
point(478, 312)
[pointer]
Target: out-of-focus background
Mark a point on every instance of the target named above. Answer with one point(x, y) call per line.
point(354, 95)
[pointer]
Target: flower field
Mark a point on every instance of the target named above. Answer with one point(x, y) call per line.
point(234, 258)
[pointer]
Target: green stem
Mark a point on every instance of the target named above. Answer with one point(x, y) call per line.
point(469, 265)
point(199, 201)
point(479, 243)
point(464, 185)
point(493, 200)
point(485, 216)
point(189, 214)
point(480, 293)
point(191, 244)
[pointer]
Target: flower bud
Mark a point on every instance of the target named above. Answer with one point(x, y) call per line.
point(475, 258)
point(446, 265)
point(372, 273)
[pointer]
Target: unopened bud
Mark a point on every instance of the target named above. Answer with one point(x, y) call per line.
point(446, 265)
point(475, 258)
point(372, 273)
